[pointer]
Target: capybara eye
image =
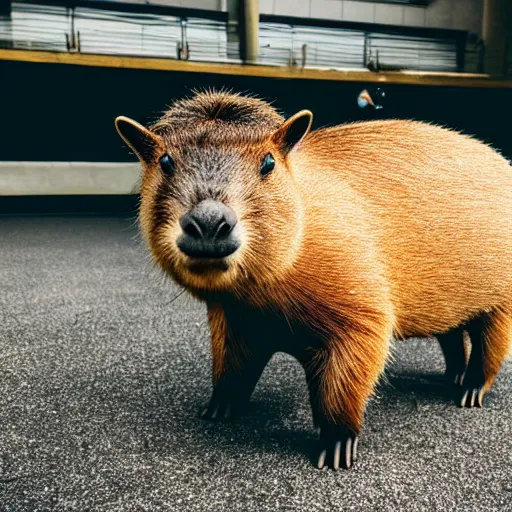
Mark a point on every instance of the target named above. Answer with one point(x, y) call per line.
point(268, 164)
point(167, 165)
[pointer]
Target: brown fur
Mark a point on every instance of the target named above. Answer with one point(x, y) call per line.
point(362, 232)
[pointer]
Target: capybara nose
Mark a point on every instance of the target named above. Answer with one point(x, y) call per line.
point(208, 231)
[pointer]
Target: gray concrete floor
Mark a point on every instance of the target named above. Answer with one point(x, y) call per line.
point(102, 377)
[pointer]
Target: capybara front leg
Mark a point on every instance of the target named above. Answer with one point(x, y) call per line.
point(237, 368)
point(338, 441)
point(454, 351)
point(341, 378)
point(490, 343)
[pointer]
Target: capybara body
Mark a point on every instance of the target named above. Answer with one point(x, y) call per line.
point(326, 244)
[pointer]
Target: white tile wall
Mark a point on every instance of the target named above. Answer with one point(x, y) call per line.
point(389, 14)
point(298, 8)
point(456, 14)
point(440, 14)
point(267, 6)
point(357, 11)
point(326, 9)
point(414, 16)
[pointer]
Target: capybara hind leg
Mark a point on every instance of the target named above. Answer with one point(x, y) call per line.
point(454, 351)
point(490, 341)
point(341, 380)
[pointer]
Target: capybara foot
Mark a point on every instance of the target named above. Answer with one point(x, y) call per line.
point(472, 390)
point(338, 448)
point(222, 408)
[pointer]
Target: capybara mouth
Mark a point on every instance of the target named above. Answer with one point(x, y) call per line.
point(205, 266)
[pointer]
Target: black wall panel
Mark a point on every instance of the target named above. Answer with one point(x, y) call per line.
point(56, 112)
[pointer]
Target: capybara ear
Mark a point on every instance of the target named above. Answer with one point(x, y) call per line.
point(293, 130)
point(143, 142)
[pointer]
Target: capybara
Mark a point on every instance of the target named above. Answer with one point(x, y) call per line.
point(327, 244)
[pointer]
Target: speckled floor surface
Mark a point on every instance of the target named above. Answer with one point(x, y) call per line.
point(102, 377)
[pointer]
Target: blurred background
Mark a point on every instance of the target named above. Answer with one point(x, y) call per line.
point(68, 68)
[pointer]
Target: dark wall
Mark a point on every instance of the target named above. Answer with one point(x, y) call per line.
point(64, 112)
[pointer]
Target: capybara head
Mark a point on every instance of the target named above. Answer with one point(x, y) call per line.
point(219, 206)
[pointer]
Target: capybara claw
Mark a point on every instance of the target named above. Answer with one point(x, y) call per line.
point(220, 409)
point(457, 379)
point(454, 378)
point(338, 449)
point(472, 397)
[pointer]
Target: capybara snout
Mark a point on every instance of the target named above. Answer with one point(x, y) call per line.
point(209, 231)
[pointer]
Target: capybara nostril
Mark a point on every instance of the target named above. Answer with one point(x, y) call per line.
point(207, 230)
point(224, 230)
point(190, 226)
